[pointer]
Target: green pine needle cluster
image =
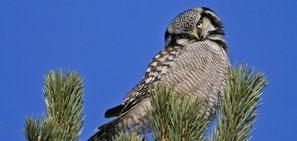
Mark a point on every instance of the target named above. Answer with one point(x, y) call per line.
point(174, 118)
point(63, 94)
point(127, 137)
point(237, 112)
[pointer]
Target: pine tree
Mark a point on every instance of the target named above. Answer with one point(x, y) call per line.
point(62, 121)
point(237, 112)
point(173, 118)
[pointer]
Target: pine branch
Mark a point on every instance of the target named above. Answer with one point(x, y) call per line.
point(238, 108)
point(63, 99)
point(32, 128)
point(174, 118)
point(127, 137)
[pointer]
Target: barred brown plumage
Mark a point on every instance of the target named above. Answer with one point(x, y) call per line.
point(194, 61)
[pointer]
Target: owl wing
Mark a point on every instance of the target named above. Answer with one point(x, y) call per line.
point(155, 70)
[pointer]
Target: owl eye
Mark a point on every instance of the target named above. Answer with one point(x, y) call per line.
point(184, 36)
point(199, 25)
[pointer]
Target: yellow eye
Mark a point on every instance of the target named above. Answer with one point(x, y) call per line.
point(199, 25)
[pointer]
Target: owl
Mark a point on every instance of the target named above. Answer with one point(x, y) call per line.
point(194, 61)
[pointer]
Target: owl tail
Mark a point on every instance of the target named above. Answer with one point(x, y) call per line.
point(106, 132)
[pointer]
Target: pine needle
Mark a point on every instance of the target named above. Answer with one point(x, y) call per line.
point(63, 94)
point(175, 117)
point(237, 112)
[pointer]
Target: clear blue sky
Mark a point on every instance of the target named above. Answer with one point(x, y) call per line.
point(110, 44)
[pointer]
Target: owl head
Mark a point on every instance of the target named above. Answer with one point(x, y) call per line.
point(194, 25)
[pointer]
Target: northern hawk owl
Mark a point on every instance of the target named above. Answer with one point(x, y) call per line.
point(194, 60)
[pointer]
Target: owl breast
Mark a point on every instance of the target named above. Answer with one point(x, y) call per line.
point(199, 71)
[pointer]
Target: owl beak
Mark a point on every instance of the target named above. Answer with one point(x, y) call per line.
point(195, 36)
